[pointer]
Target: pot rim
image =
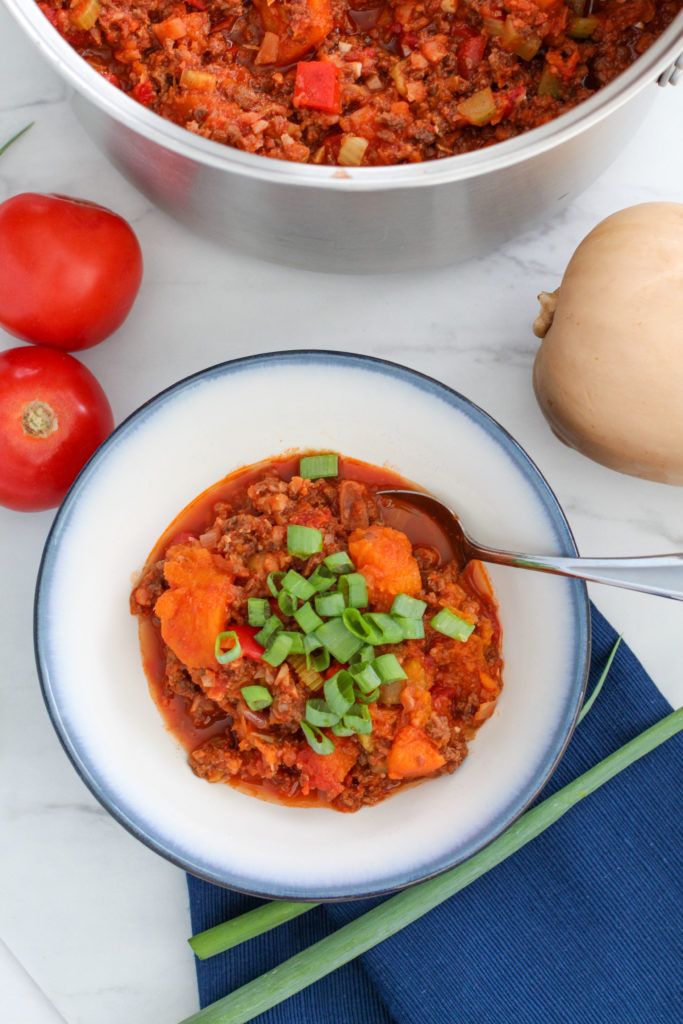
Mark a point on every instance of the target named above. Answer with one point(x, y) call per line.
point(182, 142)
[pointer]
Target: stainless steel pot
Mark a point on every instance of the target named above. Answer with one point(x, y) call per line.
point(367, 219)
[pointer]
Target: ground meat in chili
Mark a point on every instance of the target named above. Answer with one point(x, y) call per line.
point(223, 551)
point(360, 82)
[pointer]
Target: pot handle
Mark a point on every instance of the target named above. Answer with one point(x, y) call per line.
point(673, 74)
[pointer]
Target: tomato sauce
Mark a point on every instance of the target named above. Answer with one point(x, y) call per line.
point(360, 83)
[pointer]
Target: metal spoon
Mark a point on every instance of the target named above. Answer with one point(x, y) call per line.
point(653, 574)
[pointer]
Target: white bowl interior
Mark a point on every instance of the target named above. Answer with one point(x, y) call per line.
point(174, 448)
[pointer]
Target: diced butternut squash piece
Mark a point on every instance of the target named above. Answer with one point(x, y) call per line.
point(299, 30)
point(188, 565)
point(191, 619)
point(413, 754)
point(194, 610)
point(385, 558)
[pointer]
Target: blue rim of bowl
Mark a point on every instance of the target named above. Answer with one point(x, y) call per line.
point(579, 670)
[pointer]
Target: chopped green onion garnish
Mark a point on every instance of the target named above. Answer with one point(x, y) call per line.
point(365, 677)
point(388, 668)
point(341, 644)
point(272, 625)
point(314, 466)
point(353, 589)
point(408, 607)
point(295, 583)
point(311, 643)
point(278, 648)
point(287, 603)
point(338, 691)
point(368, 698)
point(256, 697)
point(330, 605)
point(452, 625)
point(258, 610)
point(272, 580)
point(358, 719)
point(412, 629)
point(303, 541)
point(391, 632)
point(340, 730)
point(320, 660)
point(358, 624)
point(322, 579)
point(321, 743)
point(318, 712)
point(296, 640)
point(339, 563)
point(307, 618)
point(366, 653)
point(225, 657)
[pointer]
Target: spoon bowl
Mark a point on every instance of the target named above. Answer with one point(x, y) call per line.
point(653, 574)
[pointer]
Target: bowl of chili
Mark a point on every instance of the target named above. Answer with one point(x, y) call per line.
point(120, 519)
point(355, 137)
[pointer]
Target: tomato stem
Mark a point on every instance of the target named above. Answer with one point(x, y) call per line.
point(39, 419)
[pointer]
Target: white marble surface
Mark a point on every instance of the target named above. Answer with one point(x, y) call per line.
point(94, 917)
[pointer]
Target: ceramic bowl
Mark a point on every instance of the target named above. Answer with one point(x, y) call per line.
point(173, 448)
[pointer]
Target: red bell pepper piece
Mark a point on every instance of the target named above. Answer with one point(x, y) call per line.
point(250, 647)
point(317, 86)
point(468, 54)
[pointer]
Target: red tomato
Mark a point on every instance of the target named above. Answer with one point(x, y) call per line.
point(69, 270)
point(53, 415)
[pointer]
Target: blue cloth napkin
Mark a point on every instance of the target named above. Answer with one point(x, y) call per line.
point(582, 926)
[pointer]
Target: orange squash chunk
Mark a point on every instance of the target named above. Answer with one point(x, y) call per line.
point(385, 558)
point(299, 30)
point(194, 610)
point(188, 565)
point(190, 622)
point(413, 754)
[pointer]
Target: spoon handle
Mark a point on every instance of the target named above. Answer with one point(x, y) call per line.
point(653, 574)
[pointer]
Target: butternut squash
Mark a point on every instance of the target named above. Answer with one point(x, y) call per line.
point(609, 373)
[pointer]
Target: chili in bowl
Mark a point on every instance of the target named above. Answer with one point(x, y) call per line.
point(448, 697)
point(303, 649)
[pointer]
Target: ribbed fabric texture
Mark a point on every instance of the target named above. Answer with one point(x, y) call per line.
point(582, 926)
